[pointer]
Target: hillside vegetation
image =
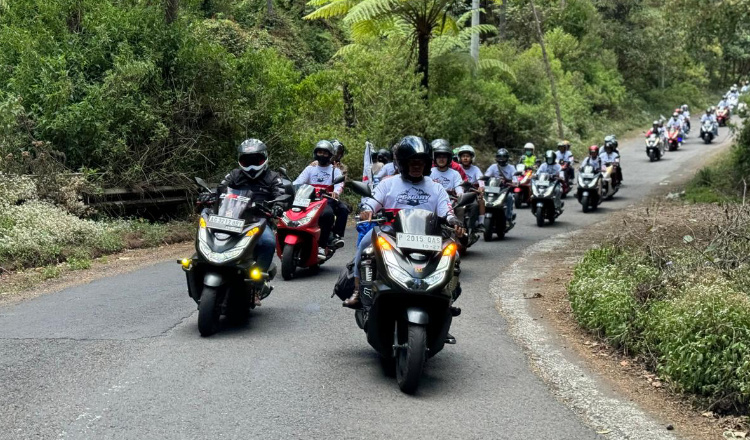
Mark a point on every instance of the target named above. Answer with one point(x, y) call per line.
point(140, 91)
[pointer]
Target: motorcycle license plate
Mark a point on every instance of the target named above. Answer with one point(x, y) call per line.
point(587, 175)
point(492, 189)
point(301, 202)
point(419, 242)
point(225, 223)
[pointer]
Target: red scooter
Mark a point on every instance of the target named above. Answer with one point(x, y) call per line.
point(722, 116)
point(673, 139)
point(298, 230)
point(522, 185)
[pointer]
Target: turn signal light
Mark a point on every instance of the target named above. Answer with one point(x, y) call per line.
point(450, 250)
point(203, 223)
point(253, 231)
point(186, 262)
point(383, 244)
point(255, 273)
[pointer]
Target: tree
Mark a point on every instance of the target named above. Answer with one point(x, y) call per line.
point(553, 86)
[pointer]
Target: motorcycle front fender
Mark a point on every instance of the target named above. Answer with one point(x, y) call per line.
point(417, 316)
point(291, 239)
point(213, 279)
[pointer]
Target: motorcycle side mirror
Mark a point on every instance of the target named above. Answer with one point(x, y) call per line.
point(202, 183)
point(282, 171)
point(465, 199)
point(339, 179)
point(360, 188)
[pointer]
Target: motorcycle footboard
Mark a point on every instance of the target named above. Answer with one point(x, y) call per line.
point(436, 334)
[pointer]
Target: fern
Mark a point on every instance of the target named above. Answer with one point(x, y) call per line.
point(372, 9)
point(496, 64)
point(336, 8)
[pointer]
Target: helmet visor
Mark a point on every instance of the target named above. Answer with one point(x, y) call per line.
point(248, 160)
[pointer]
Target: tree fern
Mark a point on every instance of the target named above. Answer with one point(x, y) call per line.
point(335, 8)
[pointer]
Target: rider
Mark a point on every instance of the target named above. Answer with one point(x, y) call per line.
point(321, 176)
point(610, 156)
point(381, 158)
point(528, 158)
point(442, 143)
point(253, 174)
point(443, 173)
point(466, 156)
point(564, 156)
point(414, 190)
point(675, 123)
point(593, 158)
point(505, 171)
point(550, 166)
point(709, 116)
point(685, 111)
point(723, 103)
point(745, 87)
point(657, 129)
point(388, 170)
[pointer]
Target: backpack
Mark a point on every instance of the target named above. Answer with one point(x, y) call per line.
point(344, 287)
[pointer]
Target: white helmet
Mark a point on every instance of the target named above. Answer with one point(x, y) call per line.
point(528, 146)
point(466, 149)
point(685, 107)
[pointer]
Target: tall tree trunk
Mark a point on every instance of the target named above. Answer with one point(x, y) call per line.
point(269, 8)
point(501, 20)
point(423, 57)
point(553, 86)
point(349, 116)
point(171, 7)
point(474, 51)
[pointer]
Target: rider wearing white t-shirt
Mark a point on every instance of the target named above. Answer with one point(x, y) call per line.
point(474, 176)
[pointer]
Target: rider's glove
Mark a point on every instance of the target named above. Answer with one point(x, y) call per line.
point(206, 198)
point(277, 211)
point(454, 221)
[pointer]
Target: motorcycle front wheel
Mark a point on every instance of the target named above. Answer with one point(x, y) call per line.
point(488, 228)
point(209, 311)
point(652, 156)
point(540, 217)
point(585, 204)
point(411, 358)
point(518, 202)
point(288, 262)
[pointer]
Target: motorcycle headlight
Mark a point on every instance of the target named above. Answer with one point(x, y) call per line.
point(440, 272)
point(549, 190)
point(221, 257)
point(309, 216)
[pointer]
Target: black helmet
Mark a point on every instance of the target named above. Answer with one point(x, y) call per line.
point(441, 148)
point(321, 146)
point(550, 157)
point(502, 157)
point(412, 147)
point(384, 156)
point(252, 155)
point(338, 149)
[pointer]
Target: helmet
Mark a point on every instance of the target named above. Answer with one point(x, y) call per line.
point(440, 142)
point(561, 145)
point(567, 144)
point(655, 125)
point(338, 149)
point(594, 150)
point(685, 107)
point(675, 115)
point(709, 110)
point(528, 149)
point(502, 157)
point(608, 147)
point(384, 156)
point(323, 146)
point(412, 147)
point(252, 155)
point(678, 110)
point(442, 149)
point(713, 109)
point(466, 149)
point(734, 88)
point(610, 140)
point(550, 157)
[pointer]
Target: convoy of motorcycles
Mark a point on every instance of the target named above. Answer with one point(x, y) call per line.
point(410, 274)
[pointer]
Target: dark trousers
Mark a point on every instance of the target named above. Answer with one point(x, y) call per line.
point(333, 217)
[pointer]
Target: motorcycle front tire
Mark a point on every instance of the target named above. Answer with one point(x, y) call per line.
point(209, 311)
point(500, 226)
point(288, 263)
point(539, 217)
point(585, 204)
point(518, 202)
point(488, 228)
point(410, 359)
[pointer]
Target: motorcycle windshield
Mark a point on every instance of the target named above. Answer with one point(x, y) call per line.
point(543, 179)
point(303, 196)
point(235, 203)
point(495, 182)
point(416, 221)
point(588, 170)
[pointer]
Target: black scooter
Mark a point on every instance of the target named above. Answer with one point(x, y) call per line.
point(222, 276)
point(409, 280)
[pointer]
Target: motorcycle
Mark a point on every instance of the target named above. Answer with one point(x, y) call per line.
point(496, 194)
point(589, 193)
point(742, 109)
point(222, 275)
point(673, 139)
point(707, 131)
point(722, 116)
point(546, 200)
point(522, 185)
point(298, 233)
point(409, 280)
point(609, 187)
point(468, 213)
point(654, 147)
point(569, 174)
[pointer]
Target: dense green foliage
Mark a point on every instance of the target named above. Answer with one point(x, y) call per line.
point(680, 302)
point(117, 88)
point(726, 180)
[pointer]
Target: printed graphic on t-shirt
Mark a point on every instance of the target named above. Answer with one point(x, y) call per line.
point(413, 197)
point(321, 177)
point(446, 182)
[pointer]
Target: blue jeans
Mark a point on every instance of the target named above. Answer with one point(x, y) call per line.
point(264, 249)
point(363, 244)
point(509, 207)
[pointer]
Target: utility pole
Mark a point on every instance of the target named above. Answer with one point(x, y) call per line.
point(474, 50)
point(553, 86)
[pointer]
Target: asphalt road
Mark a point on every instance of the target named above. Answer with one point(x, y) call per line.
point(121, 357)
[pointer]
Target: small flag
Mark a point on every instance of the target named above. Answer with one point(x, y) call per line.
point(367, 168)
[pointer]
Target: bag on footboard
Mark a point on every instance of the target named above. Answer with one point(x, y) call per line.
point(344, 287)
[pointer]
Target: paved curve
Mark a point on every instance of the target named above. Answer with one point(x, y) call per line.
point(121, 357)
